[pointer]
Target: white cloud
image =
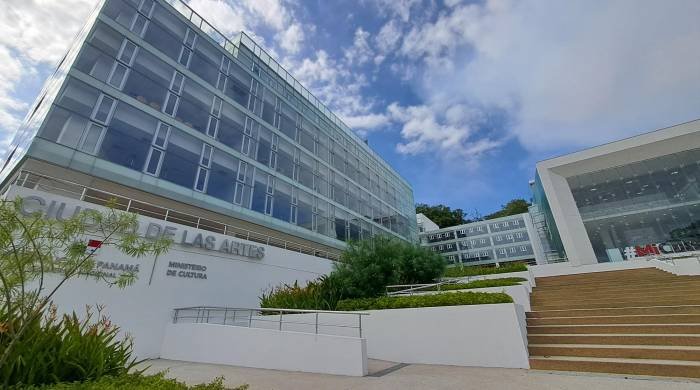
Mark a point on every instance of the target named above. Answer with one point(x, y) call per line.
point(363, 123)
point(425, 129)
point(291, 38)
point(399, 8)
point(33, 33)
point(360, 52)
point(387, 39)
point(571, 74)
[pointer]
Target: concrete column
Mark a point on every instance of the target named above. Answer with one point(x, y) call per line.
point(571, 230)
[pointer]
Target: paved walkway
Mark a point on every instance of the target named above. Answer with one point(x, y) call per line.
point(416, 376)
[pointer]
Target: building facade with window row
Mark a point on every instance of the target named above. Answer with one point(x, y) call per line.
point(498, 240)
point(152, 103)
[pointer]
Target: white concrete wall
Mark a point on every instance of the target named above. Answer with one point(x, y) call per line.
point(476, 335)
point(557, 269)
point(144, 309)
point(519, 293)
point(265, 348)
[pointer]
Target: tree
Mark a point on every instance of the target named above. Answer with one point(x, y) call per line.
point(368, 266)
point(32, 246)
point(442, 215)
point(515, 206)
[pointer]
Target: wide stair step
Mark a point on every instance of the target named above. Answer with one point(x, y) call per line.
point(666, 368)
point(636, 322)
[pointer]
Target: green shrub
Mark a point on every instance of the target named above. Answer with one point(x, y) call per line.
point(456, 272)
point(136, 382)
point(368, 266)
point(366, 269)
point(502, 282)
point(448, 299)
point(321, 294)
point(64, 349)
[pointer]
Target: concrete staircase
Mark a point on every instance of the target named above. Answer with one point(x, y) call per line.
point(640, 322)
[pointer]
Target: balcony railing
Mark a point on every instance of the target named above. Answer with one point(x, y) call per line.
point(307, 321)
point(74, 190)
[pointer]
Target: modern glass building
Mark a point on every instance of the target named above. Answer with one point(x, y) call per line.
point(498, 240)
point(153, 106)
point(629, 198)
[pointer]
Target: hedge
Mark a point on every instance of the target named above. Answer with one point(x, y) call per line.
point(456, 272)
point(401, 302)
point(502, 282)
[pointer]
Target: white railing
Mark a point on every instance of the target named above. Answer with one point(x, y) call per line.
point(410, 289)
point(74, 190)
point(268, 318)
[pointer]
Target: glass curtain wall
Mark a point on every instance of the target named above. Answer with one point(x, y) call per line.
point(648, 202)
point(196, 117)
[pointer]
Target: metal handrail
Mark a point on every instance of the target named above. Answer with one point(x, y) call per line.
point(30, 179)
point(230, 316)
point(409, 289)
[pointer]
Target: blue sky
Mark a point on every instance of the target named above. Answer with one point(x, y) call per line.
point(462, 98)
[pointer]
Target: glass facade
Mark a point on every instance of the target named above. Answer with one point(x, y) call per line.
point(484, 242)
point(151, 92)
point(648, 202)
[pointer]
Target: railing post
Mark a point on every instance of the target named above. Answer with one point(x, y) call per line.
point(225, 315)
point(82, 194)
point(359, 318)
point(234, 317)
point(280, 319)
point(128, 206)
point(316, 323)
point(175, 316)
point(250, 319)
point(208, 312)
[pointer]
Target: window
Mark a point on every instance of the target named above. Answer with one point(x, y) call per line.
point(502, 251)
point(483, 241)
point(181, 162)
point(129, 137)
point(146, 7)
point(523, 248)
point(519, 235)
point(118, 75)
point(185, 56)
point(104, 109)
point(190, 38)
point(155, 158)
point(499, 238)
point(127, 53)
point(139, 25)
point(171, 103)
point(176, 82)
point(92, 138)
point(512, 250)
point(206, 155)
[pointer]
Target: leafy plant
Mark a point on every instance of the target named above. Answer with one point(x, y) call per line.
point(137, 382)
point(368, 266)
point(67, 348)
point(400, 302)
point(32, 246)
point(456, 272)
point(321, 294)
point(502, 282)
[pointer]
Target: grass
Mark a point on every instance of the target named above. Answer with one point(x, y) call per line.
point(401, 302)
point(456, 272)
point(502, 282)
